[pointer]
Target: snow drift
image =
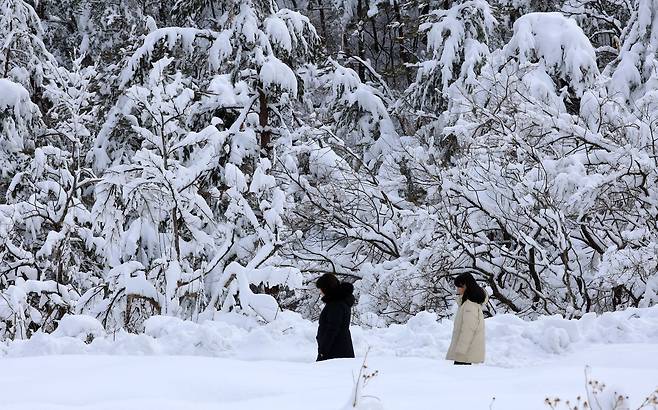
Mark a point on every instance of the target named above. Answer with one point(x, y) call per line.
point(511, 341)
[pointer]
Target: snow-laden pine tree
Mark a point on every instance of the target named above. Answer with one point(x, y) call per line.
point(23, 56)
point(457, 50)
point(358, 115)
point(188, 204)
point(20, 119)
point(633, 72)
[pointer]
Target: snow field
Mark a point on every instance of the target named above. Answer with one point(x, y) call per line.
point(183, 382)
point(236, 363)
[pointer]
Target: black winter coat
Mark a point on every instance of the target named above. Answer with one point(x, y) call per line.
point(334, 337)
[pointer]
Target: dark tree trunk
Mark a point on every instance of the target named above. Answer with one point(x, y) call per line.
point(263, 121)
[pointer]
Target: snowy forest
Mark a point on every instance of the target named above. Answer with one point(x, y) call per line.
point(190, 158)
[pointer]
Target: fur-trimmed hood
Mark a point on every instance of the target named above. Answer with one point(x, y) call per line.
point(345, 292)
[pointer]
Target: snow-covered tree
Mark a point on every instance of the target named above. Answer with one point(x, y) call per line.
point(190, 158)
point(536, 197)
point(187, 197)
point(603, 22)
point(553, 57)
point(20, 119)
point(633, 72)
point(49, 243)
point(457, 45)
point(23, 57)
point(457, 50)
point(361, 115)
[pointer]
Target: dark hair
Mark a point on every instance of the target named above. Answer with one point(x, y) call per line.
point(473, 291)
point(328, 283)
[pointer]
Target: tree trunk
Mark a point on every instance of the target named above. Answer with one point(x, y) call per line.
point(263, 121)
point(361, 47)
point(323, 25)
point(404, 55)
point(176, 233)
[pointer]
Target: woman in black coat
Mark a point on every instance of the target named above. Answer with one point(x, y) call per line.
point(334, 338)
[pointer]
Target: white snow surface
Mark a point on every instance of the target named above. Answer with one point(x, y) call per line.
point(237, 363)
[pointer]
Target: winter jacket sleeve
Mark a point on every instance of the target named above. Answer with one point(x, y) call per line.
point(330, 329)
point(468, 329)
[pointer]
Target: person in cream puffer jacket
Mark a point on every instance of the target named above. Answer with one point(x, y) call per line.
point(468, 338)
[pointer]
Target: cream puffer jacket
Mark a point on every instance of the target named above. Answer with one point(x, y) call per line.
point(468, 333)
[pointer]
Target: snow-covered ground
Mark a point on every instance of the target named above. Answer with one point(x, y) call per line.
point(236, 365)
point(193, 382)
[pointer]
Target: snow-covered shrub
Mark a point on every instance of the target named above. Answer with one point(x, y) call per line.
point(82, 327)
point(32, 305)
point(15, 314)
